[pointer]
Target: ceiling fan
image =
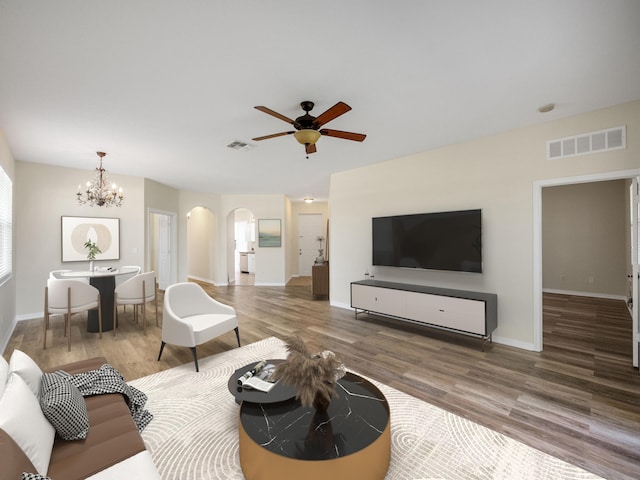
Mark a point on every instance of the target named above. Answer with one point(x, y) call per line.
point(307, 127)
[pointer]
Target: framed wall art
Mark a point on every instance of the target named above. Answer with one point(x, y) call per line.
point(269, 233)
point(105, 232)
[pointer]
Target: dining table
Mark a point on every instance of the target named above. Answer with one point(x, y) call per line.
point(104, 279)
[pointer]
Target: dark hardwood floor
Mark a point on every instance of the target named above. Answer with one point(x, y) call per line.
point(578, 400)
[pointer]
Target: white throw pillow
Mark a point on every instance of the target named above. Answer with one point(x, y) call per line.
point(27, 369)
point(4, 373)
point(22, 418)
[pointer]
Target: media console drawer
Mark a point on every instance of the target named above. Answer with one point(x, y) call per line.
point(473, 313)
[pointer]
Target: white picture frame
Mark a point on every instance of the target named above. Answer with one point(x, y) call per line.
point(75, 231)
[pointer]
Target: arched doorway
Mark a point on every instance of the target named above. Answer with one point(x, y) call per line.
point(241, 255)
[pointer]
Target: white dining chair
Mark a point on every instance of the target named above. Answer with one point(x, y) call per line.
point(137, 291)
point(58, 274)
point(191, 317)
point(66, 297)
point(135, 270)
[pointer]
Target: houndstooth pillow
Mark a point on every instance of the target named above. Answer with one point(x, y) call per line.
point(64, 406)
point(33, 476)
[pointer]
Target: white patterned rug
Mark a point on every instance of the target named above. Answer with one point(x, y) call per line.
point(194, 433)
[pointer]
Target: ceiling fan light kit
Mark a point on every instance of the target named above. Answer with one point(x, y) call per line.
point(307, 127)
point(307, 136)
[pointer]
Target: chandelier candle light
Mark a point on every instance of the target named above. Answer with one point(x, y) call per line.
point(100, 191)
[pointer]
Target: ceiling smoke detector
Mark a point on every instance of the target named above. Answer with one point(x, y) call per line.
point(547, 108)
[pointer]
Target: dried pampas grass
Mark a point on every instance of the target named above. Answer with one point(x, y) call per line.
point(313, 377)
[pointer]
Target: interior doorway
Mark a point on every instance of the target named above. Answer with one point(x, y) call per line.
point(309, 231)
point(537, 250)
point(635, 271)
point(241, 253)
point(161, 238)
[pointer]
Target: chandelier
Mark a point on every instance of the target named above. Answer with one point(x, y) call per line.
point(100, 191)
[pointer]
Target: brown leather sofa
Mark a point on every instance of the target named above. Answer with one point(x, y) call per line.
point(107, 451)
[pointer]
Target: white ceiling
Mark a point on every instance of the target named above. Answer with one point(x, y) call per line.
point(163, 86)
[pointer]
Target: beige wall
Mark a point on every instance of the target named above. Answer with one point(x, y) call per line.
point(201, 234)
point(8, 289)
point(496, 174)
point(585, 228)
point(161, 197)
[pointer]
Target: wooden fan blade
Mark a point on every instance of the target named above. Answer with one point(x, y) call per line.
point(273, 135)
point(335, 111)
point(274, 114)
point(356, 137)
point(311, 148)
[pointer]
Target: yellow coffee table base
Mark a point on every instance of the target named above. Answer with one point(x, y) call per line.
point(371, 462)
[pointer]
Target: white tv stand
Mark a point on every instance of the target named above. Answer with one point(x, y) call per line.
point(472, 313)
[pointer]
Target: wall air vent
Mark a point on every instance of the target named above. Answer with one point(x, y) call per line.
point(240, 145)
point(594, 142)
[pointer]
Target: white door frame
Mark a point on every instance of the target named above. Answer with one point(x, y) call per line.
point(537, 236)
point(635, 270)
point(173, 274)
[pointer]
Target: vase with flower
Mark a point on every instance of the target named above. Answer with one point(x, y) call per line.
point(93, 250)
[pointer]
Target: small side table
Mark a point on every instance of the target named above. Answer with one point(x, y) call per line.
point(320, 280)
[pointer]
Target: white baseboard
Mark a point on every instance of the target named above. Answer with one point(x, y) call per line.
point(200, 279)
point(510, 342)
point(29, 316)
point(340, 305)
point(269, 284)
point(5, 342)
point(607, 296)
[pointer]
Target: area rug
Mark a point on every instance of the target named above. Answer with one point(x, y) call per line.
point(194, 432)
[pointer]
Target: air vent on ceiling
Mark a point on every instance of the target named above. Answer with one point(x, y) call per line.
point(240, 145)
point(593, 142)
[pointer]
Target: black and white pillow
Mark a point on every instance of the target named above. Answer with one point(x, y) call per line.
point(64, 406)
point(33, 476)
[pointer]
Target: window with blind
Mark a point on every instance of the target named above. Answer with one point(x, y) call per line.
point(6, 217)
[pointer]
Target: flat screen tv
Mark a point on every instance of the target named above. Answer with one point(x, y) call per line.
point(433, 241)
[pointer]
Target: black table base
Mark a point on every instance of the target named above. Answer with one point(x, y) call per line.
point(106, 285)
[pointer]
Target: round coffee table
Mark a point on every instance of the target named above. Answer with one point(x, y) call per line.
point(279, 393)
point(351, 440)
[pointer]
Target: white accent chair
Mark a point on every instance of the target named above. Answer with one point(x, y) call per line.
point(66, 297)
point(137, 290)
point(191, 317)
